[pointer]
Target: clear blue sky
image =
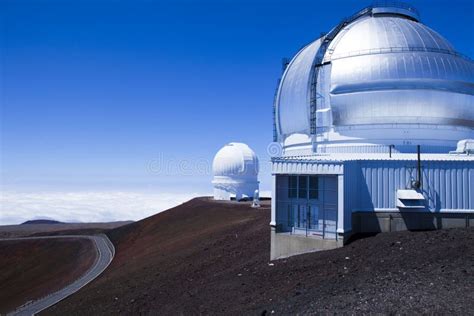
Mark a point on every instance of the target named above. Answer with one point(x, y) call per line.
point(93, 91)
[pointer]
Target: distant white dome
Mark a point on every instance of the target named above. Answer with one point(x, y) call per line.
point(235, 168)
point(235, 159)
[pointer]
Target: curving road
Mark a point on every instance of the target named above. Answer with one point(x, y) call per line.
point(105, 253)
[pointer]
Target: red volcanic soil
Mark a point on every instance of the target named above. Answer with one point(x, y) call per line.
point(31, 269)
point(209, 257)
point(33, 228)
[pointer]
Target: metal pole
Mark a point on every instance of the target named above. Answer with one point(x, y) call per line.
point(390, 150)
point(418, 149)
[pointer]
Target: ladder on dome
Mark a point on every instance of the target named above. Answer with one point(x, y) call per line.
point(275, 134)
point(323, 57)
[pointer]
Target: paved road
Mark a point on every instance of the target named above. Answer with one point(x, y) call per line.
point(105, 254)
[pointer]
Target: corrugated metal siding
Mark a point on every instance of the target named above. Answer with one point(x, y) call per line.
point(372, 185)
point(304, 167)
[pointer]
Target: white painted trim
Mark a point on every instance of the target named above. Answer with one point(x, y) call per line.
point(274, 198)
point(396, 210)
point(342, 222)
point(307, 167)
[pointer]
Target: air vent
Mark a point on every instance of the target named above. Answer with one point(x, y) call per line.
point(410, 199)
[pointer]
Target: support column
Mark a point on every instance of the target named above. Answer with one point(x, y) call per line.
point(340, 208)
point(274, 198)
point(273, 252)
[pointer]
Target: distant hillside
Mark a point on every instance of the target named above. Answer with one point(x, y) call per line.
point(51, 227)
point(41, 221)
point(33, 268)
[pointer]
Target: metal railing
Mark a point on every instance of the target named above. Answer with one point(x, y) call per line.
point(303, 221)
point(324, 230)
point(396, 50)
point(395, 4)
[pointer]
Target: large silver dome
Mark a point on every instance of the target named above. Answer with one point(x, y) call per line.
point(380, 78)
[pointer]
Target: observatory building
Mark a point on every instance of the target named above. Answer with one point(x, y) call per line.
point(235, 169)
point(373, 129)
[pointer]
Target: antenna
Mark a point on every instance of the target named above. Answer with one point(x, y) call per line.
point(417, 183)
point(390, 147)
point(418, 166)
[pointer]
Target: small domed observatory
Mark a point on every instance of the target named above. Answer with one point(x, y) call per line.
point(235, 169)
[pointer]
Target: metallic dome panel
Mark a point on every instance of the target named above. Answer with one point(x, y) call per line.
point(292, 102)
point(427, 88)
point(372, 35)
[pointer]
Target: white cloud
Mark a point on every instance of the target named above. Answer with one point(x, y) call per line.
point(17, 207)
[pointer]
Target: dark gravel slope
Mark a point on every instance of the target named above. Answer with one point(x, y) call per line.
point(31, 269)
point(207, 257)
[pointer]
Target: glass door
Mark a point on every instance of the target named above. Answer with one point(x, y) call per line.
point(301, 218)
point(315, 219)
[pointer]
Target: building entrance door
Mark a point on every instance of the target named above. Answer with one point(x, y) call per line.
point(311, 201)
point(315, 219)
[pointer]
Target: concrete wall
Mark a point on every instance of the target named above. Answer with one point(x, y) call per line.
point(284, 245)
point(375, 222)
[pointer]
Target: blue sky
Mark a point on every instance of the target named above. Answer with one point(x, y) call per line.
point(95, 94)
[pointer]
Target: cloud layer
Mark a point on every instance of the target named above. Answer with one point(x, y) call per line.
point(17, 207)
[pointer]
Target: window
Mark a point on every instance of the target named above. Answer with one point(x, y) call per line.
point(292, 183)
point(302, 187)
point(313, 187)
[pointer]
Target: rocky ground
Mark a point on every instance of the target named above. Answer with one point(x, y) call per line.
point(30, 269)
point(38, 228)
point(208, 257)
